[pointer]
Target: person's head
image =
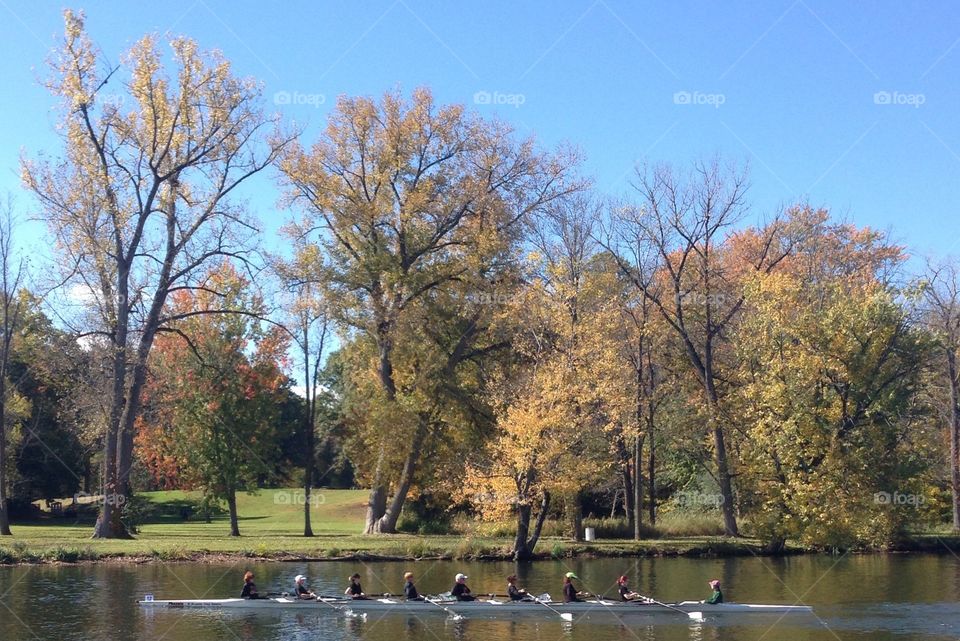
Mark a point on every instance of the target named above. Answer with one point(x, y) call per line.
point(715, 584)
point(461, 578)
point(622, 580)
point(569, 576)
point(248, 577)
point(512, 579)
point(299, 579)
point(408, 576)
point(355, 578)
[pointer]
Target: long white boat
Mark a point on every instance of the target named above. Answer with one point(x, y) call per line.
point(480, 607)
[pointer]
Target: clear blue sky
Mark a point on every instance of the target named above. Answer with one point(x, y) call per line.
point(852, 106)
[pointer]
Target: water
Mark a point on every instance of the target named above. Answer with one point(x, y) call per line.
point(900, 598)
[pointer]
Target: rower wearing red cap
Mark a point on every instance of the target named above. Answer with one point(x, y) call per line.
point(626, 594)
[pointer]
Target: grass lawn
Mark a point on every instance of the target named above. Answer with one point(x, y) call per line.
point(271, 526)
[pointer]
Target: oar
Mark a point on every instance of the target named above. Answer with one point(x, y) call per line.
point(344, 611)
point(453, 615)
point(566, 616)
point(696, 616)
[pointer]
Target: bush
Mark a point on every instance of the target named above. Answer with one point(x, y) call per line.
point(684, 524)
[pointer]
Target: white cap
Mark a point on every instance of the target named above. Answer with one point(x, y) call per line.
point(462, 576)
point(298, 578)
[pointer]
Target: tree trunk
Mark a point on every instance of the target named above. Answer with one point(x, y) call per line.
point(308, 471)
point(775, 546)
point(627, 474)
point(628, 494)
point(388, 522)
point(521, 552)
point(376, 507)
point(307, 486)
point(637, 486)
point(4, 514)
point(232, 505)
point(652, 482)
point(720, 453)
point(954, 434)
point(726, 487)
point(576, 518)
point(109, 524)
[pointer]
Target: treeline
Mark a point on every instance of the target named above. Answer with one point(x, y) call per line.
point(509, 343)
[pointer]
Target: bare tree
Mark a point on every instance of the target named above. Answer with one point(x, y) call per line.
point(12, 269)
point(942, 302)
point(308, 324)
point(139, 204)
point(670, 249)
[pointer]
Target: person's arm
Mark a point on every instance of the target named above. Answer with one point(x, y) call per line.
point(714, 598)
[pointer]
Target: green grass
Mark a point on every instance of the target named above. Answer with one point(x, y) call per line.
point(271, 526)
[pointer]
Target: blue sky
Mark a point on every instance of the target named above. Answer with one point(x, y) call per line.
point(849, 106)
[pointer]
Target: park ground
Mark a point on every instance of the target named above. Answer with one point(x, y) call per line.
point(271, 527)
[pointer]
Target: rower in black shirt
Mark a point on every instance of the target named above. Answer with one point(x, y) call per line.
point(460, 590)
point(626, 594)
point(249, 587)
point(409, 589)
point(354, 589)
point(570, 594)
point(515, 593)
point(301, 591)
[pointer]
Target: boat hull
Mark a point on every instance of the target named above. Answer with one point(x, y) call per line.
point(482, 607)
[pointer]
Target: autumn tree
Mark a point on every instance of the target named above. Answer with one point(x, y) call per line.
point(559, 396)
point(12, 271)
point(670, 247)
point(832, 366)
point(307, 323)
point(139, 205)
point(417, 206)
point(220, 378)
point(941, 303)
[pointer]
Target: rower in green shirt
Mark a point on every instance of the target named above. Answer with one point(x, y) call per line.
point(717, 596)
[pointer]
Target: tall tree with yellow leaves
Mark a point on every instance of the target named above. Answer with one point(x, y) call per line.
point(417, 205)
point(139, 204)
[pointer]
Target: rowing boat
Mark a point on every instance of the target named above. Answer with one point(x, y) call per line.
point(479, 607)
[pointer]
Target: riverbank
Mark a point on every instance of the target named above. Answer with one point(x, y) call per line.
point(271, 528)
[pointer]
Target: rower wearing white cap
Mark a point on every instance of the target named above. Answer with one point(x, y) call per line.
point(300, 588)
point(460, 590)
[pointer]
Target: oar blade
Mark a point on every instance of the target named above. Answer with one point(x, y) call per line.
point(566, 616)
point(695, 616)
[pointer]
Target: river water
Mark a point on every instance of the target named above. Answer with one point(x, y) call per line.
point(880, 598)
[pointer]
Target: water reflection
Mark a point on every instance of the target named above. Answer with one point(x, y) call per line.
point(869, 597)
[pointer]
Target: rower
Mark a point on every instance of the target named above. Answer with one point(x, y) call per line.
point(570, 593)
point(515, 593)
point(460, 590)
point(626, 594)
point(409, 589)
point(354, 589)
point(717, 596)
point(300, 590)
point(249, 587)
